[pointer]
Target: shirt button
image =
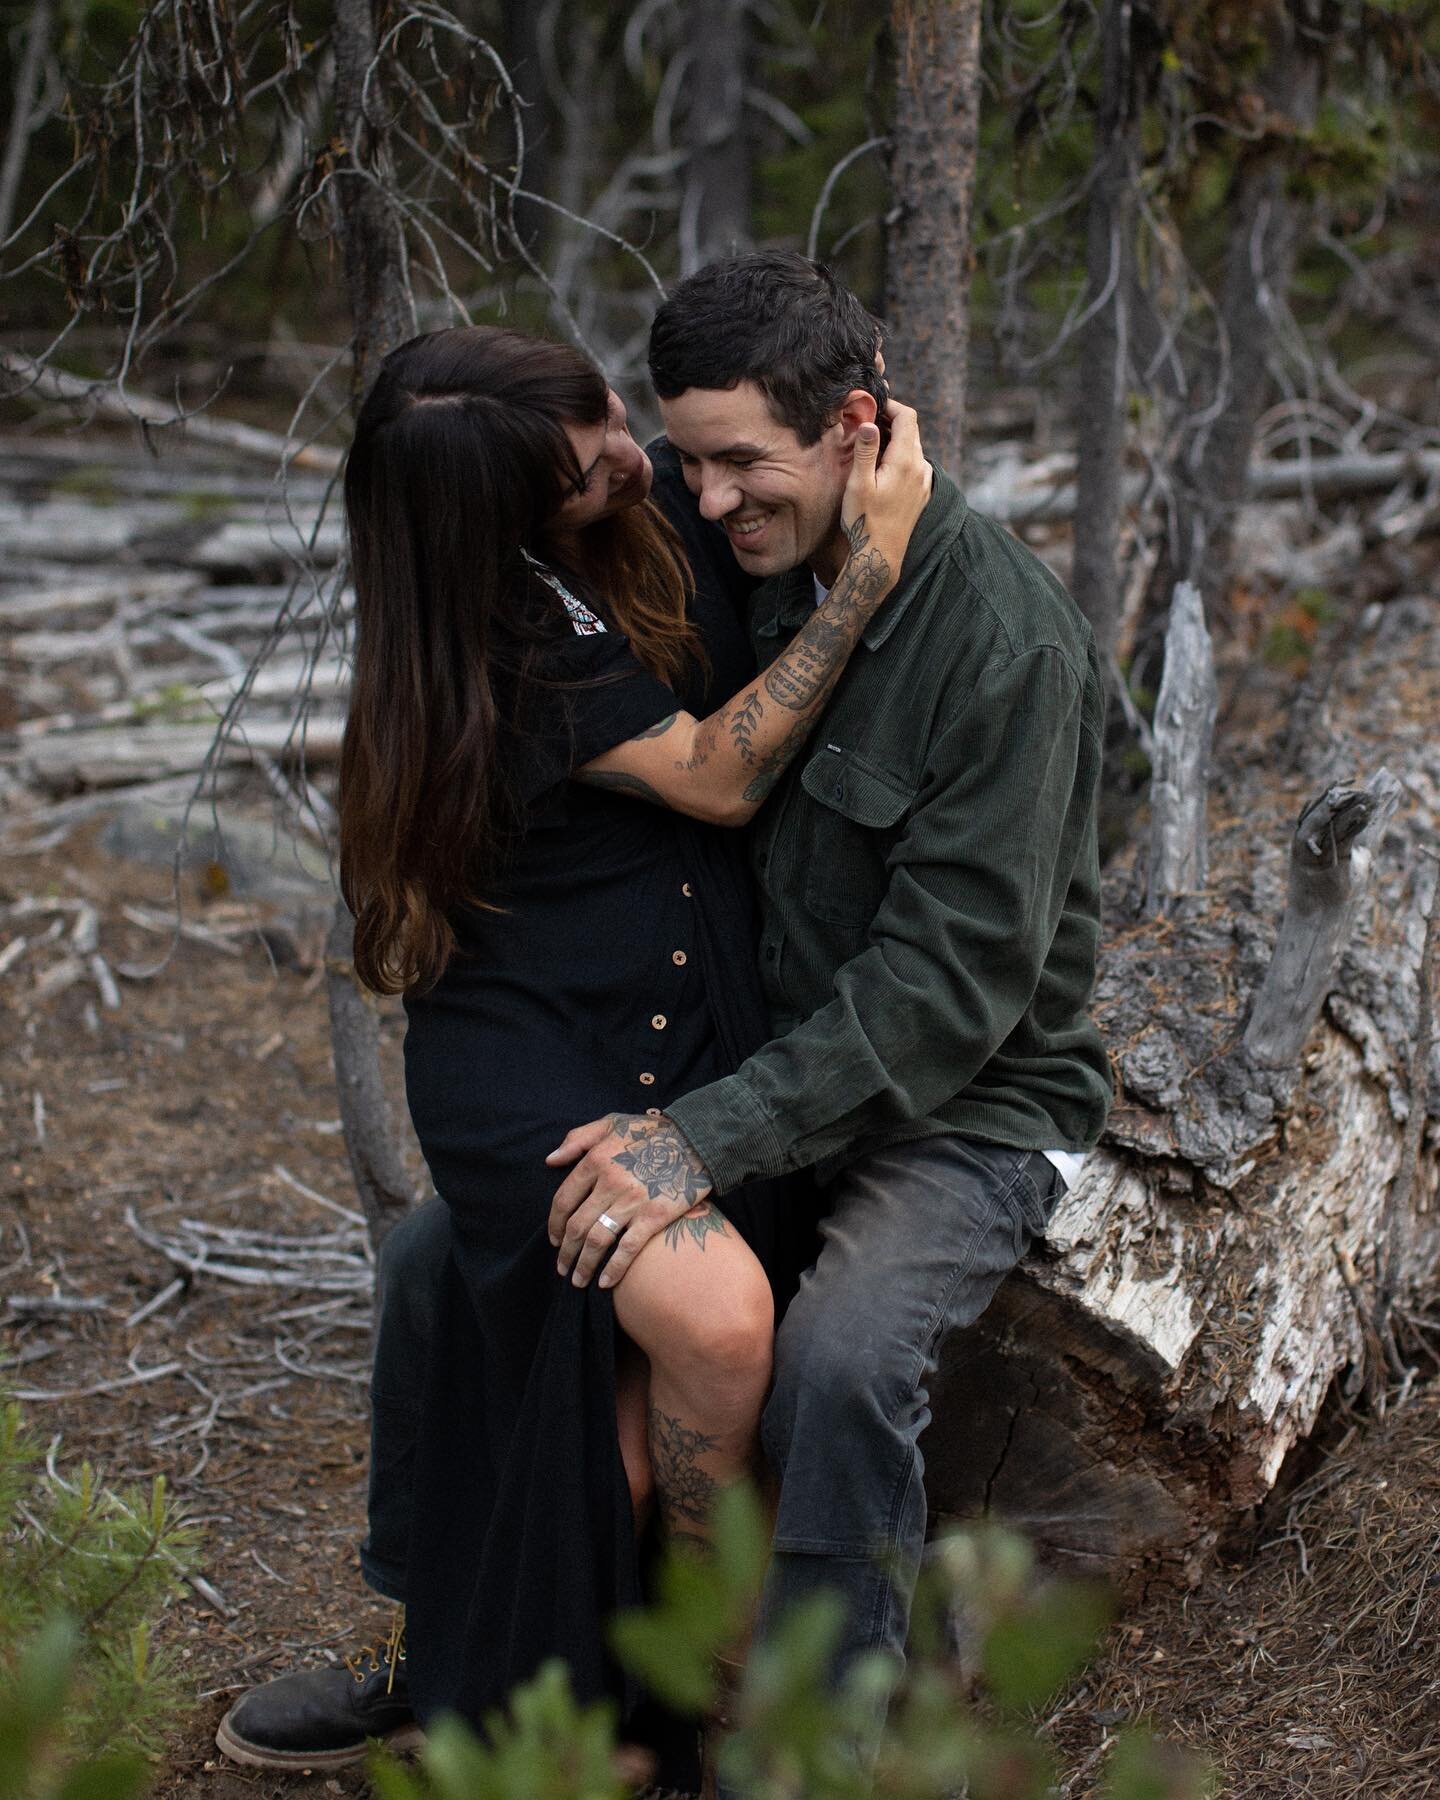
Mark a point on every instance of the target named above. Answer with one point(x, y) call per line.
point(659, 1022)
point(685, 889)
point(647, 1079)
point(679, 958)
point(770, 953)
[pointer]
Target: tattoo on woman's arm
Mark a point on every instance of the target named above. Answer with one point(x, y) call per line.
point(615, 781)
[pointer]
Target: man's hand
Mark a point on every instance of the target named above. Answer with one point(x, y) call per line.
point(635, 1170)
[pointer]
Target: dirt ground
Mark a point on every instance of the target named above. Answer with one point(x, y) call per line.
point(1311, 1667)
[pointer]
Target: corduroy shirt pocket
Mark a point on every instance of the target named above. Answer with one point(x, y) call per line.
point(860, 808)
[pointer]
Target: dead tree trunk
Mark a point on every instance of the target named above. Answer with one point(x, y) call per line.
point(715, 197)
point(1260, 257)
point(1144, 1376)
point(382, 313)
point(932, 178)
point(1105, 341)
point(22, 111)
point(1184, 728)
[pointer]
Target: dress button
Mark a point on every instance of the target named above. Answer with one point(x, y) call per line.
point(679, 958)
point(685, 889)
point(647, 1079)
point(659, 1022)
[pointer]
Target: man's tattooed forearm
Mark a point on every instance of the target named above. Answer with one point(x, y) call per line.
point(616, 781)
point(686, 1490)
point(695, 1226)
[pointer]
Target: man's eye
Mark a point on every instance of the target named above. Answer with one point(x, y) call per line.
point(739, 462)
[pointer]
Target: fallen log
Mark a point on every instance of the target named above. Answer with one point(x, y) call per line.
point(1045, 493)
point(27, 379)
point(71, 761)
point(1143, 1378)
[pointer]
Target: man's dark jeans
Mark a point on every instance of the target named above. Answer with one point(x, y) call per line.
point(917, 1239)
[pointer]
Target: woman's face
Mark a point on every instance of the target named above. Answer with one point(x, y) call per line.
point(614, 470)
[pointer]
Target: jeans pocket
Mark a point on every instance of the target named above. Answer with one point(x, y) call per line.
point(1038, 1188)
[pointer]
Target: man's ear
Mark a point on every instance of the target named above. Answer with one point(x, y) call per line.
point(856, 409)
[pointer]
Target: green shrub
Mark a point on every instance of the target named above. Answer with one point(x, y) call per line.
point(961, 1720)
point(84, 1571)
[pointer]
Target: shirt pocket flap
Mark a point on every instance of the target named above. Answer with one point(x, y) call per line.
point(846, 781)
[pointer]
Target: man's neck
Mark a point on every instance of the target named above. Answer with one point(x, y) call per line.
point(827, 561)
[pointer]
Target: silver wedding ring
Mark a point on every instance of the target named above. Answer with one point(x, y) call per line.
point(609, 1223)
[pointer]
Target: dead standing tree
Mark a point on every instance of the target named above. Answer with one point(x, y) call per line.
point(934, 142)
point(382, 310)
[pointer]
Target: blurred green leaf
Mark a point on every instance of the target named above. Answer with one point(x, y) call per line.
point(1033, 1649)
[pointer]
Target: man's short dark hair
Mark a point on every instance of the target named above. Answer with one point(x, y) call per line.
point(778, 320)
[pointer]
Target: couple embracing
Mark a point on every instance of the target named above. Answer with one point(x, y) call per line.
point(726, 816)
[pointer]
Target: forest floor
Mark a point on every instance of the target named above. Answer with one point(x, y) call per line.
point(1308, 1666)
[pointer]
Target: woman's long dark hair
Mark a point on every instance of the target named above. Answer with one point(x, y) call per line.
point(459, 463)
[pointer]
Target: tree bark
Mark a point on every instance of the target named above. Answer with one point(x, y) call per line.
point(715, 198)
point(932, 177)
point(1184, 729)
point(367, 220)
point(1105, 341)
point(1143, 1378)
point(22, 111)
point(382, 314)
point(1259, 260)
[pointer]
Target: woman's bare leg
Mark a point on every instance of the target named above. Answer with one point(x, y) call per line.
point(697, 1303)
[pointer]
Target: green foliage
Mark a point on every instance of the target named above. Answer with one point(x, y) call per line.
point(547, 1749)
point(795, 1736)
point(84, 1570)
point(33, 1706)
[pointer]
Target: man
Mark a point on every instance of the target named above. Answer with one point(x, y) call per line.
point(928, 877)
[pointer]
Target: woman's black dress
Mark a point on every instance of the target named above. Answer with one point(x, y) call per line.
point(620, 975)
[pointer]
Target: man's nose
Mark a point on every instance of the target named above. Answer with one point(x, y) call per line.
point(719, 494)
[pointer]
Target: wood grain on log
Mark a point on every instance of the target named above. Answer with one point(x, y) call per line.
point(1330, 865)
point(1184, 727)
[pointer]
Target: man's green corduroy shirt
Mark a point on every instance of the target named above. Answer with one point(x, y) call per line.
point(929, 876)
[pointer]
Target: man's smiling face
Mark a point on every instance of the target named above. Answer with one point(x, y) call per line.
point(778, 499)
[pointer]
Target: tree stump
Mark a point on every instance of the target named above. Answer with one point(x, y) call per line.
point(1144, 1376)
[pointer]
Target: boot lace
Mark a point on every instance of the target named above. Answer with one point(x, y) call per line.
point(384, 1653)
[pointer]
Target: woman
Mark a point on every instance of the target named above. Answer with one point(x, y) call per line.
point(522, 644)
